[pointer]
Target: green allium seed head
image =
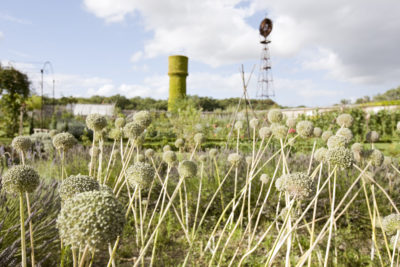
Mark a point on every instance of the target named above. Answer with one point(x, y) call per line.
point(198, 138)
point(203, 158)
point(275, 116)
point(387, 161)
point(320, 154)
point(340, 156)
point(169, 157)
point(346, 134)
point(213, 153)
point(326, 135)
point(92, 219)
point(254, 123)
point(143, 118)
point(139, 141)
point(21, 143)
point(100, 135)
point(372, 137)
point(106, 189)
point(305, 129)
point(298, 185)
point(336, 141)
point(279, 131)
point(391, 223)
point(179, 143)
point(166, 148)
point(249, 159)
point(376, 157)
point(234, 159)
point(264, 178)
point(294, 214)
point(291, 123)
point(115, 134)
point(344, 120)
point(20, 178)
point(239, 125)
point(64, 141)
point(265, 132)
point(119, 122)
point(149, 153)
point(52, 133)
point(140, 174)
point(317, 132)
point(76, 184)
point(367, 176)
point(187, 168)
point(94, 151)
point(141, 158)
point(96, 122)
point(133, 130)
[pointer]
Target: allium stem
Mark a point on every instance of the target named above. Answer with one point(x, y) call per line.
point(22, 222)
point(99, 171)
point(28, 205)
point(395, 247)
point(331, 219)
point(198, 199)
point(219, 183)
point(92, 156)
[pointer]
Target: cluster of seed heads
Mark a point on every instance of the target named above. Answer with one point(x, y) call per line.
point(265, 132)
point(179, 143)
point(187, 169)
point(391, 223)
point(264, 178)
point(372, 137)
point(119, 122)
point(317, 132)
point(305, 129)
point(291, 123)
point(20, 179)
point(376, 157)
point(213, 153)
point(320, 154)
point(234, 159)
point(143, 118)
point(64, 141)
point(167, 148)
point(140, 174)
point(96, 122)
point(239, 125)
point(340, 157)
point(326, 135)
point(198, 138)
point(21, 143)
point(254, 123)
point(279, 131)
point(133, 130)
point(344, 120)
point(336, 141)
point(169, 157)
point(298, 185)
point(76, 184)
point(346, 134)
point(116, 134)
point(275, 116)
point(149, 153)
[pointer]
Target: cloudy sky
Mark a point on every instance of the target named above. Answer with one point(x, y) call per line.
point(321, 51)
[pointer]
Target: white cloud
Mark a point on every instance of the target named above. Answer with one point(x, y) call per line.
point(1, 35)
point(137, 56)
point(10, 18)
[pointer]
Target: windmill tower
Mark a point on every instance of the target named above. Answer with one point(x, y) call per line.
point(264, 86)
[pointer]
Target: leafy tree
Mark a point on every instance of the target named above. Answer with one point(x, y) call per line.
point(14, 90)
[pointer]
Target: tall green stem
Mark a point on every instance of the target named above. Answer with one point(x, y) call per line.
point(22, 222)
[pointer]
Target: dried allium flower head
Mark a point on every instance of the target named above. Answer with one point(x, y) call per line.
point(133, 130)
point(275, 116)
point(96, 122)
point(265, 132)
point(141, 158)
point(187, 168)
point(169, 157)
point(264, 178)
point(179, 143)
point(317, 132)
point(76, 184)
point(336, 141)
point(340, 157)
point(115, 134)
point(291, 123)
point(279, 131)
point(101, 135)
point(203, 158)
point(53, 132)
point(298, 185)
point(344, 120)
point(249, 159)
point(94, 151)
point(140, 174)
point(139, 141)
point(387, 161)
point(143, 118)
point(234, 159)
point(358, 151)
point(20, 179)
point(294, 213)
point(166, 148)
point(391, 223)
point(64, 141)
point(213, 153)
point(395, 243)
point(305, 129)
point(254, 123)
point(372, 137)
point(198, 138)
point(376, 157)
point(326, 135)
point(320, 154)
point(346, 134)
point(149, 153)
point(367, 176)
point(21, 143)
point(92, 219)
point(239, 125)
point(119, 122)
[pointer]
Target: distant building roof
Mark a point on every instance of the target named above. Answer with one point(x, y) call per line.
point(86, 109)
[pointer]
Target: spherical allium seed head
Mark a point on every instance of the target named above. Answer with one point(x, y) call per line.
point(254, 123)
point(76, 184)
point(264, 178)
point(265, 132)
point(367, 176)
point(115, 134)
point(305, 129)
point(96, 122)
point(340, 157)
point(249, 159)
point(21, 143)
point(143, 118)
point(139, 141)
point(179, 143)
point(395, 242)
point(326, 135)
point(203, 158)
point(275, 116)
point(213, 153)
point(100, 135)
point(317, 132)
point(279, 131)
point(387, 161)
point(372, 137)
point(94, 151)
point(198, 138)
point(234, 159)
point(52, 133)
point(344, 120)
point(346, 134)
point(187, 168)
point(133, 130)
point(239, 125)
point(149, 153)
point(64, 141)
point(169, 157)
point(298, 185)
point(336, 141)
point(119, 122)
point(291, 123)
point(19, 179)
point(294, 214)
point(391, 223)
point(357, 148)
point(140, 174)
point(320, 154)
point(166, 148)
point(376, 157)
point(92, 219)
point(141, 158)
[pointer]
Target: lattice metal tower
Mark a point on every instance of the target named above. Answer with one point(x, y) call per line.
point(264, 88)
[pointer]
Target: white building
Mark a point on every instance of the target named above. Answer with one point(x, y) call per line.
point(87, 109)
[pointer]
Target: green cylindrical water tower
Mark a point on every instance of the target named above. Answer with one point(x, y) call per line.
point(177, 71)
